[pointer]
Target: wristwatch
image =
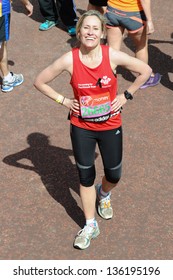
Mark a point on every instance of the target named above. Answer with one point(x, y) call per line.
point(128, 95)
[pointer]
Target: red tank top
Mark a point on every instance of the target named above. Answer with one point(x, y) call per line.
point(100, 83)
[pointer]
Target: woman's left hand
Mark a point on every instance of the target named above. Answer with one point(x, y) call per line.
point(118, 102)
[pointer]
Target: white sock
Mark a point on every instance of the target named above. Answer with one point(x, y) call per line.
point(8, 77)
point(91, 221)
point(102, 193)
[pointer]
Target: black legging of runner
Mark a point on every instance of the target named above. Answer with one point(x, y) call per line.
point(84, 146)
point(52, 9)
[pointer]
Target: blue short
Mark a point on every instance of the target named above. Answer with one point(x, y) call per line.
point(132, 21)
point(4, 28)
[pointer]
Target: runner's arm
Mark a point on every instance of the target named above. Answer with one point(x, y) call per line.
point(28, 6)
point(64, 63)
point(133, 64)
point(146, 4)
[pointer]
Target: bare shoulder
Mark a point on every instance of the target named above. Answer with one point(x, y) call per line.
point(121, 58)
point(129, 62)
point(65, 62)
point(67, 57)
point(116, 55)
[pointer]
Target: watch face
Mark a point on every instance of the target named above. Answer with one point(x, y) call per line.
point(128, 95)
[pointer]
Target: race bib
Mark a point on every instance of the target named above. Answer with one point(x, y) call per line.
point(95, 106)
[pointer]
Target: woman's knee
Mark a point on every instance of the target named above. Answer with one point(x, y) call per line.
point(87, 174)
point(113, 175)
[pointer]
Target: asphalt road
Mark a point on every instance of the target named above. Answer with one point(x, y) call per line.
point(40, 208)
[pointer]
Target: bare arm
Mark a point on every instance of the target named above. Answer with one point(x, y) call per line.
point(64, 63)
point(28, 6)
point(142, 69)
point(146, 4)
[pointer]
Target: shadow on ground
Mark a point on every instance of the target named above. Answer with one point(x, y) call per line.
point(158, 60)
point(55, 169)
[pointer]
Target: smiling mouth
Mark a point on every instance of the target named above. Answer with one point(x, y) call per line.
point(90, 38)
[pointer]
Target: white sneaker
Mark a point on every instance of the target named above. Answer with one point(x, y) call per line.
point(17, 79)
point(84, 236)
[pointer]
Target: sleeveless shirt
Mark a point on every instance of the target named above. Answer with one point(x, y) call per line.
point(99, 82)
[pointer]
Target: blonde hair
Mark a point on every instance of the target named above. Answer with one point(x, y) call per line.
point(91, 13)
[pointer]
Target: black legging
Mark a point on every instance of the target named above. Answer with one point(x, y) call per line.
point(110, 146)
point(51, 10)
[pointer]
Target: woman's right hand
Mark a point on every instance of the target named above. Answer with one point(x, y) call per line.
point(72, 104)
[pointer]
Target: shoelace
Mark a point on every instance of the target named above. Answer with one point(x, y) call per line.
point(107, 204)
point(86, 230)
point(106, 201)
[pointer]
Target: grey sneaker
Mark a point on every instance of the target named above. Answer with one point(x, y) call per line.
point(104, 204)
point(16, 81)
point(84, 236)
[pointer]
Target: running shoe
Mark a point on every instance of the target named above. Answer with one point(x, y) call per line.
point(152, 81)
point(84, 236)
point(16, 81)
point(71, 30)
point(48, 24)
point(104, 204)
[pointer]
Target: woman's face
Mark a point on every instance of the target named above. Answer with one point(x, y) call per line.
point(90, 32)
